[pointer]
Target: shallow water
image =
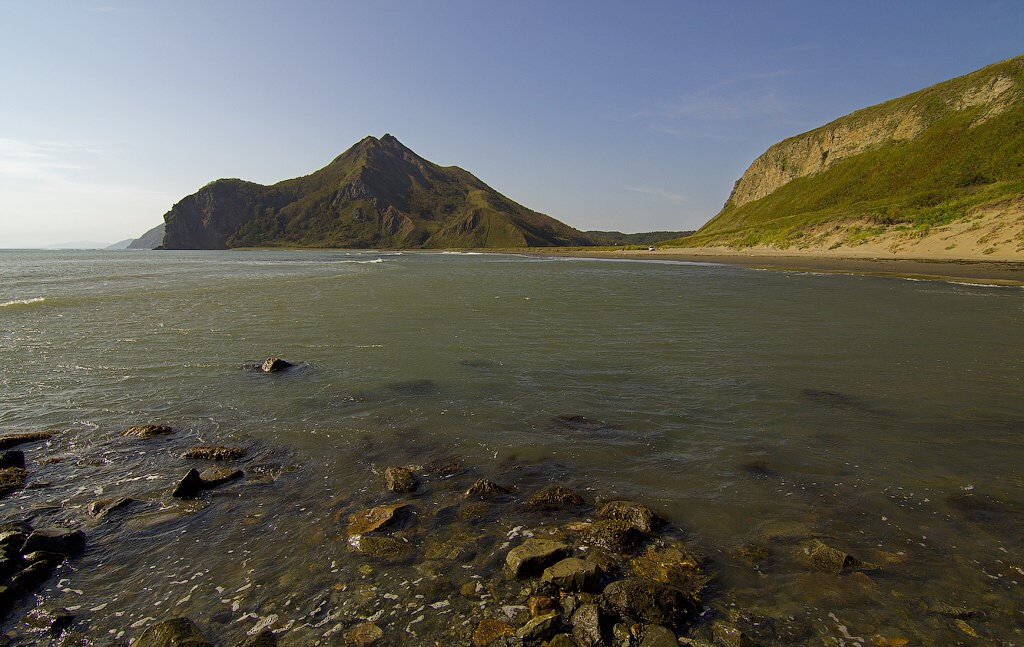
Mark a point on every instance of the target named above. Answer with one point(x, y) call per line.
point(883, 416)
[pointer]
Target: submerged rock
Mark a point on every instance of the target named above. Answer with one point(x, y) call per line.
point(102, 507)
point(214, 453)
point(572, 574)
point(275, 364)
point(364, 634)
point(533, 556)
point(147, 431)
point(265, 638)
point(637, 514)
point(670, 565)
point(377, 518)
point(399, 479)
point(12, 458)
point(489, 630)
point(831, 559)
point(387, 548)
point(555, 496)
point(12, 440)
point(63, 542)
point(176, 632)
point(484, 489)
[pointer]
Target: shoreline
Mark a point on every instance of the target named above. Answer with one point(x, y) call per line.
point(1003, 273)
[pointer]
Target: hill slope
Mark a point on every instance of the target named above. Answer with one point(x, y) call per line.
point(149, 240)
point(376, 194)
point(937, 168)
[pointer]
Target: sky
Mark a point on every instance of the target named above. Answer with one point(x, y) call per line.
point(628, 116)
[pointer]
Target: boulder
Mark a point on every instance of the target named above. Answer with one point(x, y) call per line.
point(214, 476)
point(657, 636)
point(533, 556)
point(12, 458)
point(214, 453)
point(364, 634)
point(555, 496)
point(539, 629)
point(572, 574)
point(376, 518)
point(275, 364)
point(147, 431)
point(484, 489)
point(176, 632)
point(64, 542)
point(638, 515)
point(616, 535)
point(589, 626)
point(399, 479)
point(102, 507)
point(30, 577)
point(490, 630)
point(189, 486)
point(12, 440)
point(638, 599)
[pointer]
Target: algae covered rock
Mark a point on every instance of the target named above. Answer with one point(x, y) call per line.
point(377, 518)
point(484, 489)
point(615, 535)
point(637, 514)
point(12, 440)
point(147, 431)
point(555, 496)
point(214, 453)
point(399, 479)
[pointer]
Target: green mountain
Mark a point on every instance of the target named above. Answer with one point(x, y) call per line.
point(918, 166)
point(641, 238)
point(376, 194)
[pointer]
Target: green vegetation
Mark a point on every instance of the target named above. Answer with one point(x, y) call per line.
point(377, 194)
point(969, 152)
point(643, 238)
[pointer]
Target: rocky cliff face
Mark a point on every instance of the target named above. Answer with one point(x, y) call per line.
point(902, 168)
point(376, 194)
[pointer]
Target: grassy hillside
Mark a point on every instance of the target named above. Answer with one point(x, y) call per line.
point(924, 160)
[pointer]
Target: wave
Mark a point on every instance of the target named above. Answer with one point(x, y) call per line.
point(22, 302)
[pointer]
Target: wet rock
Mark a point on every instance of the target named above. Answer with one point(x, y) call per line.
point(637, 514)
point(13, 440)
point(728, 635)
point(378, 518)
point(640, 599)
point(275, 364)
point(51, 619)
point(444, 469)
point(561, 640)
point(764, 630)
point(214, 453)
point(616, 535)
point(539, 629)
point(176, 632)
point(533, 556)
point(64, 542)
point(11, 478)
point(12, 458)
point(555, 496)
point(30, 578)
point(399, 479)
point(670, 565)
point(44, 556)
point(189, 486)
point(541, 605)
point(215, 476)
point(147, 431)
point(572, 574)
point(589, 626)
point(364, 634)
point(952, 610)
point(621, 635)
point(755, 554)
point(484, 489)
point(833, 560)
point(265, 638)
point(489, 630)
point(387, 548)
point(658, 636)
point(102, 507)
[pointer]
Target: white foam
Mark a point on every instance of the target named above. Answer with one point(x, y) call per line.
point(22, 302)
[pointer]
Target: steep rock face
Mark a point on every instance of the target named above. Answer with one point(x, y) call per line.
point(904, 167)
point(376, 194)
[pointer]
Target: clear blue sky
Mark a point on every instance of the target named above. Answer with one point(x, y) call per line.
point(628, 115)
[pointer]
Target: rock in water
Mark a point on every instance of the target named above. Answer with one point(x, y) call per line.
point(539, 629)
point(615, 535)
point(364, 634)
point(11, 478)
point(147, 431)
point(831, 559)
point(572, 574)
point(176, 632)
point(64, 542)
point(484, 489)
point(12, 458)
point(638, 515)
point(639, 599)
point(11, 440)
point(274, 364)
point(214, 476)
point(555, 496)
point(214, 453)
point(190, 486)
point(373, 519)
point(51, 619)
point(533, 556)
point(490, 630)
point(399, 479)
point(102, 507)
point(265, 638)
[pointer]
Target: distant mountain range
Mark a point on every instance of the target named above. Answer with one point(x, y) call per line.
point(940, 171)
